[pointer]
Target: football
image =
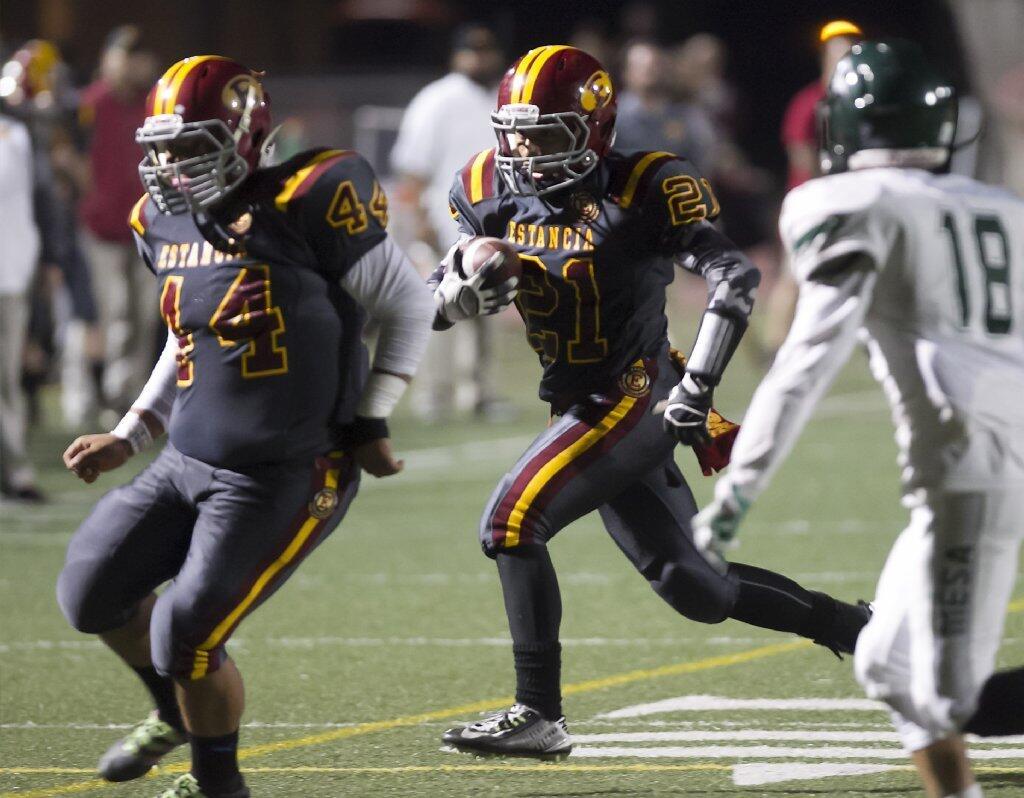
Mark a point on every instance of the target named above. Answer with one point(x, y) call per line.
point(478, 250)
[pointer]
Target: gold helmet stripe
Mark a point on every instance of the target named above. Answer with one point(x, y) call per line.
point(536, 67)
point(188, 65)
point(520, 77)
point(165, 84)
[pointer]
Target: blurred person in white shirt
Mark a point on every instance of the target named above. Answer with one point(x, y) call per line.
point(20, 235)
point(456, 375)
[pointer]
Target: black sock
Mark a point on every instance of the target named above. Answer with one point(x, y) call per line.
point(162, 690)
point(538, 677)
point(1000, 706)
point(96, 369)
point(215, 763)
point(534, 608)
point(773, 601)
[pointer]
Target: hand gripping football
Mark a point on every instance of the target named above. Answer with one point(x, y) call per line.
point(476, 252)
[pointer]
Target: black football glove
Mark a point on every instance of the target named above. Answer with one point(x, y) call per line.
point(686, 411)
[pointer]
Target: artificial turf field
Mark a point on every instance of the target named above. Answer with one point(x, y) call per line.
point(394, 629)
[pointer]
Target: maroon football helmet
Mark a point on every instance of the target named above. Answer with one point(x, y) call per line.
point(561, 99)
point(207, 124)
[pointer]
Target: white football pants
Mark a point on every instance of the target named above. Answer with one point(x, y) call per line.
point(939, 611)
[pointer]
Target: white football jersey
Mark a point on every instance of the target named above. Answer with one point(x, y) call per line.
point(944, 316)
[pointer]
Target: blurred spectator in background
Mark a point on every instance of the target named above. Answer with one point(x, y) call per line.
point(698, 69)
point(112, 107)
point(445, 125)
point(36, 88)
point(20, 252)
point(650, 118)
point(1008, 102)
point(748, 195)
point(799, 125)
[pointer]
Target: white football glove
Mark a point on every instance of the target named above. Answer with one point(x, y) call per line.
point(715, 528)
point(459, 298)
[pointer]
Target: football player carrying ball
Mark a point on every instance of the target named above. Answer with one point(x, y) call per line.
point(600, 234)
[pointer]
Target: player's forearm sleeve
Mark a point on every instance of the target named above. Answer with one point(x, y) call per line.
point(732, 282)
point(823, 334)
point(388, 287)
point(158, 394)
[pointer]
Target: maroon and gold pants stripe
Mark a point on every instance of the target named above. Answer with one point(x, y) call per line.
point(304, 532)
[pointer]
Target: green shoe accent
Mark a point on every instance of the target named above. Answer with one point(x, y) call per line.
point(152, 736)
point(184, 786)
point(138, 751)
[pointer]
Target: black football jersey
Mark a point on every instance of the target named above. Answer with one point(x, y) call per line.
point(270, 357)
point(596, 258)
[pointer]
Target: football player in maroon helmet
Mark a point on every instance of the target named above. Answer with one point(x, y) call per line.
point(599, 234)
point(266, 275)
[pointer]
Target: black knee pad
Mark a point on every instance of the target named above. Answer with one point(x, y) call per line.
point(86, 605)
point(698, 596)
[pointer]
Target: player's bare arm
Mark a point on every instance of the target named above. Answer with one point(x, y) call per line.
point(88, 456)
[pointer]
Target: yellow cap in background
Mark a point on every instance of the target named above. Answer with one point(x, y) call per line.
point(838, 27)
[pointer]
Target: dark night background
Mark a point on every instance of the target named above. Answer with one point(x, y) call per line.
point(771, 42)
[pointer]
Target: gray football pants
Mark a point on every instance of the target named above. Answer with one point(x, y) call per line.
point(225, 540)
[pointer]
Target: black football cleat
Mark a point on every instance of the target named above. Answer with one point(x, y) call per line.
point(846, 624)
point(135, 755)
point(515, 732)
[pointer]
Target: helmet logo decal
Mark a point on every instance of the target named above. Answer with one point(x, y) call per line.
point(596, 92)
point(235, 94)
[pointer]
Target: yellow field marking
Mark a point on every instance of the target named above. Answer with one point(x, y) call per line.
point(576, 688)
point(450, 712)
point(685, 667)
point(46, 792)
point(503, 767)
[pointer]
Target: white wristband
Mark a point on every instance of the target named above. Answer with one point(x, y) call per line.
point(380, 395)
point(133, 429)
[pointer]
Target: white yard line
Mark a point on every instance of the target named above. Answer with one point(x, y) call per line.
point(767, 752)
point(751, 774)
point(30, 726)
point(755, 735)
point(416, 642)
point(711, 703)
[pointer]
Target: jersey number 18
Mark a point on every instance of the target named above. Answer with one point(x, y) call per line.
point(994, 255)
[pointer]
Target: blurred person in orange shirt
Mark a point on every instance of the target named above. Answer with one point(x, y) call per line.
point(429, 151)
point(111, 109)
point(800, 137)
point(799, 125)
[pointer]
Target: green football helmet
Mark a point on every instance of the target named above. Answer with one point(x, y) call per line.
point(885, 105)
